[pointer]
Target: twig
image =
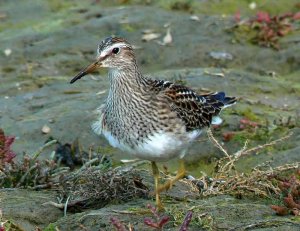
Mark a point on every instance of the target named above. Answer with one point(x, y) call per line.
point(129, 212)
point(287, 167)
point(257, 182)
point(88, 164)
point(266, 224)
point(42, 186)
point(57, 205)
point(232, 159)
point(41, 149)
point(216, 143)
point(66, 206)
point(225, 168)
point(60, 171)
point(239, 153)
point(73, 175)
point(259, 147)
point(26, 174)
point(62, 205)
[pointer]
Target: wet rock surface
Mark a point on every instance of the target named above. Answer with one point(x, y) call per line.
point(26, 209)
point(45, 43)
point(217, 213)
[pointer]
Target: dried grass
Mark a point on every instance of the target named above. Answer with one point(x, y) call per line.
point(227, 180)
point(94, 187)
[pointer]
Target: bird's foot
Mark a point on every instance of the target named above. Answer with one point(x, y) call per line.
point(168, 185)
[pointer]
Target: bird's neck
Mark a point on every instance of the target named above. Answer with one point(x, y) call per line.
point(126, 80)
point(126, 84)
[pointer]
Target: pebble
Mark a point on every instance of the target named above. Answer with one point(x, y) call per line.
point(194, 18)
point(7, 52)
point(220, 55)
point(46, 129)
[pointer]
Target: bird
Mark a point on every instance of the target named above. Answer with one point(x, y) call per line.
point(150, 119)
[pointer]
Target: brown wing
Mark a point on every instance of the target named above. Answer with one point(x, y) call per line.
point(196, 111)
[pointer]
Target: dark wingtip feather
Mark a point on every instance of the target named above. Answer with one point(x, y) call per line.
point(229, 100)
point(219, 96)
point(226, 100)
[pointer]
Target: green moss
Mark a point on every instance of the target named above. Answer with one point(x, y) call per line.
point(178, 213)
point(183, 5)
point(10, 225)
point(201, 166)
point(46, 27)
point(260, 134)
point(8, 69)
point(240, 138)
point(5, 26)
point(57, 5)
point(248, 113)
point(50, 227)
point(225, 7)
point(105, 150)
point(128, 27)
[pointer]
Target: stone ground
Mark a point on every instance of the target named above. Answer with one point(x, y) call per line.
point(50, 41)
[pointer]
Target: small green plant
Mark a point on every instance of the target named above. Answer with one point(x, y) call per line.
point(29, 171)
point(8, 225)
point(51, 227)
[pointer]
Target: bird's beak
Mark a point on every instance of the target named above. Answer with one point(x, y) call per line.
point(89, 69)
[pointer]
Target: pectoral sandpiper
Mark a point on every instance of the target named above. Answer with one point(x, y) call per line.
point(154, 120)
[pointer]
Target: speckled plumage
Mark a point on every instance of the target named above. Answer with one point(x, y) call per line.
point(150, 119)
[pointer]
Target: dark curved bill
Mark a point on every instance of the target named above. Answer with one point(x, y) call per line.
point(89, 69)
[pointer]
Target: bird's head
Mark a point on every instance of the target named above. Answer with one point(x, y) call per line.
point(112, 52)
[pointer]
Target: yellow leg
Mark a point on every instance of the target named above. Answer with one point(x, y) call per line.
point(180, 174)
point(156, 184)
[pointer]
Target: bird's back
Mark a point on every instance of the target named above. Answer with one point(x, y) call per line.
point(195, 110)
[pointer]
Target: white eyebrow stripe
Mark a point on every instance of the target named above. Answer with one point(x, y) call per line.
point(108, 49)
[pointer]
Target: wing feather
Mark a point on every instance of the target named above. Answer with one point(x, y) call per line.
point(196, 111)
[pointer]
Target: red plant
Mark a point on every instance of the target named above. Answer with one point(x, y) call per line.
point(237, 16)
point(227, 136)
point(159, 222)
point(6, 154)
point(186, 221)
point(296, 16)
point(246, 123)
point(268, 29)
point(291, 190)
point(280, 210)
point(118, 224)
point(263, 17)
point(2, 228)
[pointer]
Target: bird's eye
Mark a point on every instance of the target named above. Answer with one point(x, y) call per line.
point(116, 50)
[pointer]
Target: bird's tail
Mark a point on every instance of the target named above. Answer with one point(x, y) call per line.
point(219, 101)
point(226, 100)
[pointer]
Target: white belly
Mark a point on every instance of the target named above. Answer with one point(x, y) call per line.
point(159, 147)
